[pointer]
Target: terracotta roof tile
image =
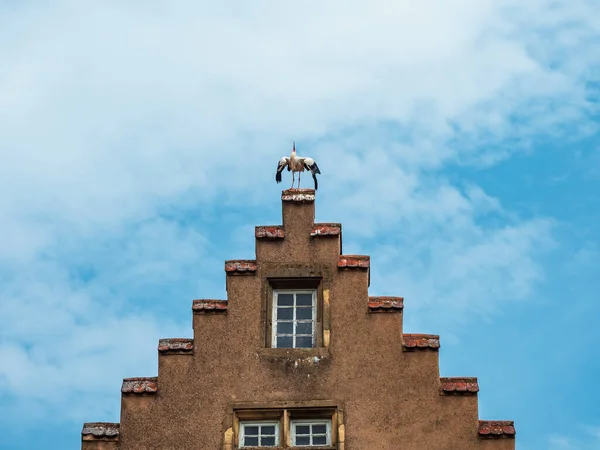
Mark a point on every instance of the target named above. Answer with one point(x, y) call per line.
point(237, 266)
point(100, 431)
point(459, 385)
point(203, 306)
point(326, 229)
point(354, 262)
point(494, 429)
point(176, 345)
point(298, 195)
point(420, 341)
point(140, 385)
point(270, 232)
point(386, 304)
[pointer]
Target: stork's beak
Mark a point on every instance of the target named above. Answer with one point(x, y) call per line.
point(294, 147)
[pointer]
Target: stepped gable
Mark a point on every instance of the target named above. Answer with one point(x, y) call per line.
point(240, 266)
point(326, 229)
point(298, 196)
point(420, 341)
point(354, 262)
point(459, 386)
point(294, 341)
point(176, 345)
point(496, 429)
point(269, 232)
point(386, 304)
point(140, 385)
point(205, 306)
point(100, 431)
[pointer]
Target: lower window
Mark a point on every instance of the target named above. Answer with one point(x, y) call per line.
point(311, 433)
point(259, 434)
point(286, 426)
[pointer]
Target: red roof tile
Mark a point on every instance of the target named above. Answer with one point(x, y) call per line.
point(354, 261)
point(298, 195)
point(493, 429)
point(386, 304)
point(203, 306)
point(100, 430)
point(240, 266)
point(269, 232)
point(417, 341)
point(459, 385)
point(326, 229)
point(140, 385)
point(176, 345)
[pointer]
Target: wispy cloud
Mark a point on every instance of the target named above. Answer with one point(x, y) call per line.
point(126, 129)
point(589, 439)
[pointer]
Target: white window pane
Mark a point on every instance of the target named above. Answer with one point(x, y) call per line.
point(285, 313)
point(267, 441)
point(304, 328)
point(304, 299)
point(270, 429)
point(259, 434)
point(286, 327)
point(285, 300)
point(304, 342)
point(302, 440)
point(319, 440)
point(251, 431)
point(319, 429)
point(284, 341)
point(251, 441)
point(302, 429)
point(293, 317)
point(303, 313)
point(311, 433)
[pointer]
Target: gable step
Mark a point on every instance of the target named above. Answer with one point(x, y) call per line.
point(459, 386)
point(386, 304)
point(411, 342)
point(240, 267)
point(354, 262)
point(298, 195)
point(140, 385)
point(496, 429)
point(176, 346)
point(100, 431)
point(326, 229)
point(269, 232)
point(205, 306)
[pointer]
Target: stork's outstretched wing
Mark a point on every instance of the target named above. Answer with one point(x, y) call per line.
point(311, 165)
point(283, 162)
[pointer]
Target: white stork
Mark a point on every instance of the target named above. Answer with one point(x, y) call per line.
point(297, 163)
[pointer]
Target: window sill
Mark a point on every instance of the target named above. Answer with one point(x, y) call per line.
point(295, 353)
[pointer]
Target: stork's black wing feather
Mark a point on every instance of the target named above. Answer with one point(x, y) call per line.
point(314, 169)
point(280, 166)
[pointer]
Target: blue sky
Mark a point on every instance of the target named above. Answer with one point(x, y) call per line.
point(458, 144)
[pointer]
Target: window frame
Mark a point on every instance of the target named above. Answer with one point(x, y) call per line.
point(294, 321)
point(293, 283)
point(259, 423)
point(316, 421)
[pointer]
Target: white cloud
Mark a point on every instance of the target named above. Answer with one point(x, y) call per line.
point(112, 112)
point(589, 439)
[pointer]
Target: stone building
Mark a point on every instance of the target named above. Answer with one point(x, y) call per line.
point(299, 356)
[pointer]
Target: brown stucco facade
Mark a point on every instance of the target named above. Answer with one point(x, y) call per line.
point(377, 387)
